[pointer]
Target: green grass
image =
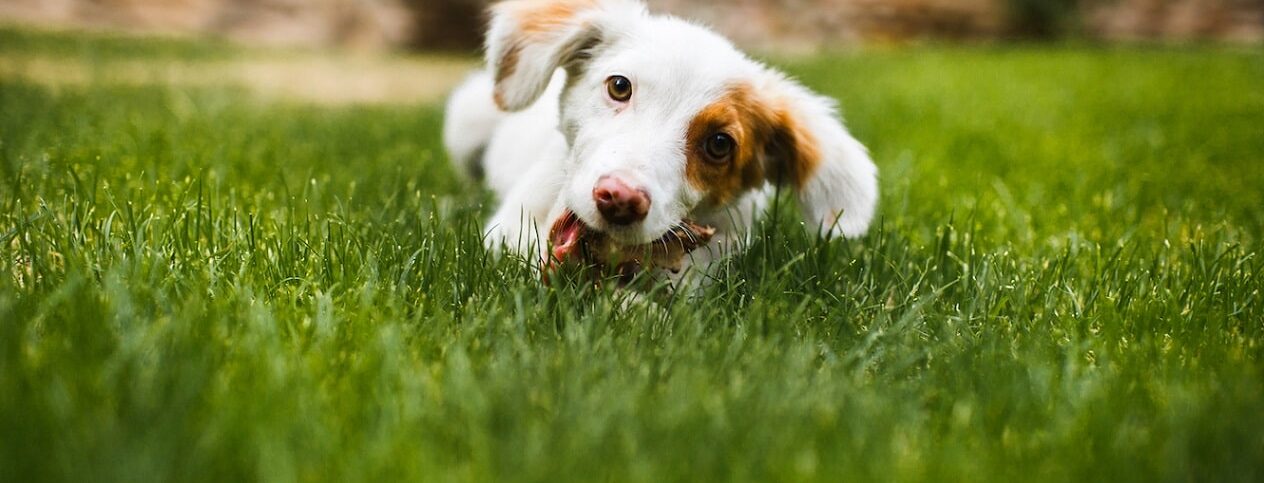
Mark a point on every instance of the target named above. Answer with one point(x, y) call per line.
point(1063, 285)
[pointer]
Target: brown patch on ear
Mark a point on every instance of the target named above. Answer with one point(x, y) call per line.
point(772, 145)
point(537, 21)
point(794, 153)
point(543, 17)
point(505, 68)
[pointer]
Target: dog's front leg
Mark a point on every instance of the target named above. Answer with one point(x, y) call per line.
point(521, 223)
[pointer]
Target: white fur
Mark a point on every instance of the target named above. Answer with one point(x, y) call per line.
point(564, 131)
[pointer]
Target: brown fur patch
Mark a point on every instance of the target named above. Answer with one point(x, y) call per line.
point(795, 150)
point(771, 146)
point(505, 68)
point(545, 17)
point(537, 21)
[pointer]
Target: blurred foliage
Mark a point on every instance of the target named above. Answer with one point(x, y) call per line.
point(448, 24)
point(1043, 18)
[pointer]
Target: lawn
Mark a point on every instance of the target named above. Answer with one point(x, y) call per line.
point(1064, 284)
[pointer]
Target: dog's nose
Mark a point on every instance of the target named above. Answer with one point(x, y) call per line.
point(619, 203)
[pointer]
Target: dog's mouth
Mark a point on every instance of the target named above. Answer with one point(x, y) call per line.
point(571, 239)
point(566, 235)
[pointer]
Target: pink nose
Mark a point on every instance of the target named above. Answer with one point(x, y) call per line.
point(619, 203)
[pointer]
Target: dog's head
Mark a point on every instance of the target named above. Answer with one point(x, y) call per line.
point(665, 119)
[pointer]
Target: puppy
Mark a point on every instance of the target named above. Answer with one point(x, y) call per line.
point(594, 116)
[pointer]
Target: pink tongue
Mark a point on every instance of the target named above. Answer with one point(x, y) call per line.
point(566, 240)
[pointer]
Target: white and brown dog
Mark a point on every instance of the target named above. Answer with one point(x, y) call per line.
point(626, 124)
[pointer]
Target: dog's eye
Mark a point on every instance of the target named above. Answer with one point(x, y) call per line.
point(719, 147)
point(619, 88)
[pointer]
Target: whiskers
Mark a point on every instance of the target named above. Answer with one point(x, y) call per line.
point(674, 235)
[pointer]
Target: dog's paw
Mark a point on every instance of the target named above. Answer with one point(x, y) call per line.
point(513, 236)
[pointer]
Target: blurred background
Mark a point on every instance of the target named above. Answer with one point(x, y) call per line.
point(763, 25)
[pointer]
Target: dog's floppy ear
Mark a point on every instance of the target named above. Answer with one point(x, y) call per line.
point(530, 39)
point(836, 182)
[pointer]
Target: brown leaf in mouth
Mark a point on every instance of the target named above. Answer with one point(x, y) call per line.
point(570, 239)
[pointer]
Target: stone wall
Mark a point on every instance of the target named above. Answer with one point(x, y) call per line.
point(760, 24)
point(350, 23)
point(1174, 20)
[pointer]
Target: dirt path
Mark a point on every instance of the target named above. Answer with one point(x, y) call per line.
point(307, 78)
